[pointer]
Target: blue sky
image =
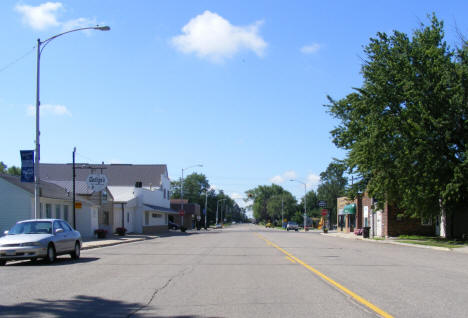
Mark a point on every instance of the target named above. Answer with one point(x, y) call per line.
point(237, 86)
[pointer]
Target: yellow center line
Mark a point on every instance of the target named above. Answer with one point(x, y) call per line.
point(329, 280)
point(290, 259)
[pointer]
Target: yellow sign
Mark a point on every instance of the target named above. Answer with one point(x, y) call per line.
point(78, 205)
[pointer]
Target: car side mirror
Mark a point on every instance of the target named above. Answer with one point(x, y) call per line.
point(57, 231)
point(5, 233)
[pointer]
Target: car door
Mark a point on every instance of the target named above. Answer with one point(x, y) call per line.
point(59, 237)
point(69, 237)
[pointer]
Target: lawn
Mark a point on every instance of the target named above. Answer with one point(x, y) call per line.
point(431, 241)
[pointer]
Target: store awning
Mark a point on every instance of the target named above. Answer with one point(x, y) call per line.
point(160, 209)
point(349, 209)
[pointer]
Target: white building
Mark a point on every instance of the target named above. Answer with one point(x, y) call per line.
point(17, 203)
point(137, 196)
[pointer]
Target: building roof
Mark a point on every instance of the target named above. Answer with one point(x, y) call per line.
point(117, 174)
point(121, 193)
point(48, 190)
point(81, 187)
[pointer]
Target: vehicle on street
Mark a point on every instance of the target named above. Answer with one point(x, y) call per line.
point(292, 226)
point(172, 226)
point(269, 224)
point(218, 226)
point(40, 238)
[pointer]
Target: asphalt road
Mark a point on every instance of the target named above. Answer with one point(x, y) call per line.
point(241, 271)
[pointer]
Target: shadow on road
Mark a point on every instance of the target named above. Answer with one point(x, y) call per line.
point(60, 261)
point(80, 306)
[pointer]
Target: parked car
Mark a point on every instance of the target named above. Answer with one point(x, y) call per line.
point(269, 224)
point(40, 238)
point(218, 226)
point(292, 226)
point(172, 225)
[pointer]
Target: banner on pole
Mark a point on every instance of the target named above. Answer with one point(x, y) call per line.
point(27, 165)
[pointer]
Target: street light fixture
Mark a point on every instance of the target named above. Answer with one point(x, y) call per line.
point(305, 201)
point(182, 192)
point(40, 47)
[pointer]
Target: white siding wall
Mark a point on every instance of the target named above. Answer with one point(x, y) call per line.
point(15, 205)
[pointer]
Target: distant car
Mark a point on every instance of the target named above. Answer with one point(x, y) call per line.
point(233, 222)
point(172, 225)
point(40, 238)
point(269, 224)
point(218, 226)
point(292, 226)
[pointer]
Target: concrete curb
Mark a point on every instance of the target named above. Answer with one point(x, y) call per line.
point(104, 244)
point(438, 248)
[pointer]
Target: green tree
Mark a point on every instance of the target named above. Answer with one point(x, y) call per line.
point(405, 130)
point(332, 185)
point(266, 204)
point(13, 171)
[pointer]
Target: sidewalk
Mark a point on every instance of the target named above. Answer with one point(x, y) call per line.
point(352, 236)
point(91, 242)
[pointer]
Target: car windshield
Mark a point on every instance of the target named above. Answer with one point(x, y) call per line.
point(33, 227)
point(292, 223)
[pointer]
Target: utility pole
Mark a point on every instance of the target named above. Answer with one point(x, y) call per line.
point(74, 190)
point(282, 212)
point(206, 208)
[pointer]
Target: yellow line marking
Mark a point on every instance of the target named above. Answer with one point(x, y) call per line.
point(331, 281)
point(289, 258)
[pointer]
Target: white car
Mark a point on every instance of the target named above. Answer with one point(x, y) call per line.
point(292, 226)
point(40, 238)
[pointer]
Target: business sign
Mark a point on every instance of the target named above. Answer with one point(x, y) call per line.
point(27, 165)
point(204, 211)
point(322, 203)
point(96, 182)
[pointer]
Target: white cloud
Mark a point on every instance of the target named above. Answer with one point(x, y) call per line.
point(277, 179)
point(56, 110)
point(212, 37)
point(236, 196)
point(45, 15)
point(291, 174)
point(288, 175)
point(311, 49)
point(313, 181)
point(40, 17)
point(78, 23)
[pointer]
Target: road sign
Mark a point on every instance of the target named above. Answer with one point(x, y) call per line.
point(27, 165)
point(322, 203)
point(181, 212)
point(324, 211)
point(96, 182)
point(78, 205)
point(198, 218)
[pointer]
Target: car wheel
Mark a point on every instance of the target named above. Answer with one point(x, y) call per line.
point(296, 230)
point(2, 263)
point(76, 253)
point(50, 254)
point(287, 230)
point(33, 260)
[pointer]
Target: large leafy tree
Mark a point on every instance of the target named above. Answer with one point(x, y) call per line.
point(333, 184)
point(406, 128)
point(267, 200)
point(197, 189)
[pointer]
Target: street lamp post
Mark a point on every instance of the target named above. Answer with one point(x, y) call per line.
point(206, 208)
point(217, 203)
point(305, 201)
point(182, 192)
point(40, 47)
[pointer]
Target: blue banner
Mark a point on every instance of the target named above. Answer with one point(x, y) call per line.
point(27, 165)
point(204, 211)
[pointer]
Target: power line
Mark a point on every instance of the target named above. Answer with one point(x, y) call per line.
point(17, 59)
